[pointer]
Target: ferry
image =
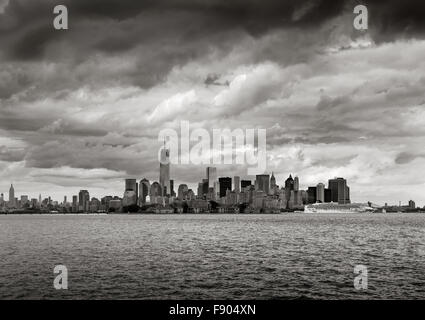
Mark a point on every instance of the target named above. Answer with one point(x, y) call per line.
point(333, 207)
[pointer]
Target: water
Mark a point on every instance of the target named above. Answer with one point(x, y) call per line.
point(284, 256)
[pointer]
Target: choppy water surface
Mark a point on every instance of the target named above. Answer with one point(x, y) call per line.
point(213, 256)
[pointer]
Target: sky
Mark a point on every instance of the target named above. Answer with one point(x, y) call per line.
point(82, 108)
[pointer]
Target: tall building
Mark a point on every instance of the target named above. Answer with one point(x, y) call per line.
point(263, 182)
point(200, 188)
point(245, 183)
point(74, 204)
point(320, 192)
point(131, 192)
point(211, 176)
point(328, 195)
point(83, 201)
point(272, 184)
point(296, 184)
point(225, 184)
point(144, 189)
point(164, 171)
point(312, 193)
point(24, 200)
point(289, 183)
point(412, 204)
point(340, 192)
point(155, 190)
point(172, 193)
point(237, 183)
point(131, 185)
point(182, 191)
point(12, 202)
point(204, 187)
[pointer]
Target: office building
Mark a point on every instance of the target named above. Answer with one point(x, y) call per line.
point(225, 184)
point(340, 192)
point(164, 171)
point(320, 192)
point(263, 182)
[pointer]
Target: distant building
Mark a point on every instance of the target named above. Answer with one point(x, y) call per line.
point(144, 189)
point(211, 176)
point(172, 193)
point(412, 204)
point(320, 192)
point(74, 204)
point(12, 202)
point(245, 183)
point(296, 184)
point(340, 192)
point(182, 191)
point(83, 201)
point(263, 182)
point(156, 190)
point(237, 184)
point(225, 184)
point(164, 171)
point(328, 195)
point(312, 192)
point(272, 184)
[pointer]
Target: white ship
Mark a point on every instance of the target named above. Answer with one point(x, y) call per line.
point(333, 207)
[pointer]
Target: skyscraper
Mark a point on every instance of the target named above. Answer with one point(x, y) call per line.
point(144, 189)
point(237, 183)
point(289, 183)
point(164, 171)
point(172, 193)
point(263, 182)
point(83, 200)
point(212, 180)
point(155, 190)
point(182, 191)
point(272, 184)
point(131, 185)
point(245, 183)
point(131, 192)
point(320, 192)
point(211, 176)
point(296, 184)
point(12, 203)
point(312, 193)
point(225, 184)
point(339, 190)
point(74, 204)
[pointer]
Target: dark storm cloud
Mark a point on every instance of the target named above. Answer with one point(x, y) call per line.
point(27, 25)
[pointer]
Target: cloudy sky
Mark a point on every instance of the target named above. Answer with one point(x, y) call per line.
point(82, 108)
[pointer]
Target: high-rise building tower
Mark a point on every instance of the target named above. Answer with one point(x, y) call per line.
point(237, 183)
point(263, 182)
point(144, 189)
point(211, 176)
point(164, 171)
point(339, 190)
point(12, 203)
point(212, 179)
point(225, 184)
point(245, 183)
point(272, 184)
point(289, 183)
point(296, 184)
point(320, 192)
point(182, 191)
point(83, 201)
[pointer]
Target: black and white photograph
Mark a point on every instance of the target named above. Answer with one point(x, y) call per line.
point(209, 150)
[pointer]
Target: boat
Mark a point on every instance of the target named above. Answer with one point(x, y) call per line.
point(333, 207)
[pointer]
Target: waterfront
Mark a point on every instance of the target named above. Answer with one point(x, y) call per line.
point(213, 256)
